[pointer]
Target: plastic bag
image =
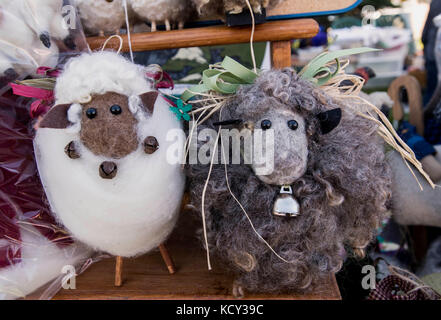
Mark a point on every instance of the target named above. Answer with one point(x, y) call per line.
point(36, 253)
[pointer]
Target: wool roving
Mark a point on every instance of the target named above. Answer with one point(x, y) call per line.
point(333, 162)
point(102, 155)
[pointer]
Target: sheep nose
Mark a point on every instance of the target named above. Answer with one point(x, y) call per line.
point(108, 170)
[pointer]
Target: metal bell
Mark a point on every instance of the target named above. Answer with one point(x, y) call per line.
point(286, 205)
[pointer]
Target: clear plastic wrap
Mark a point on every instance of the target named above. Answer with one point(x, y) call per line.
point(36, 255)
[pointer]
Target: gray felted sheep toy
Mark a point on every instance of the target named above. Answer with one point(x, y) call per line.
point(328, 157)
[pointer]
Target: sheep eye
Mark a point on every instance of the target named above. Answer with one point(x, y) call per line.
point(265, 124)
point(115, 109)
point(91, 113)
point(293, 125)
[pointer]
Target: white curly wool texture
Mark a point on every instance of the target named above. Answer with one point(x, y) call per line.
point(99, 73)
point(135, 211)
point(101, 15)
point(161, 10)
point(41, 262)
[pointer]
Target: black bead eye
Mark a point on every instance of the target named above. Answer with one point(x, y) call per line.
point(293, 125)
point(265, 124)
point(115, 109)
point(91, 113)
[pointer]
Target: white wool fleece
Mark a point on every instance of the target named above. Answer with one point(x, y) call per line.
point(136, 210)
point(98, 73)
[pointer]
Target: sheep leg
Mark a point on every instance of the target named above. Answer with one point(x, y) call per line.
point(237, 290)
point(153, 26)
point(181, 25)
point(101, 33)
point(167, 25)
point(167, 259)
point(117, 32)
point(118, 271)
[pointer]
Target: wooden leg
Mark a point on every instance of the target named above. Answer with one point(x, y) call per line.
point(118, 271)
point(167, 259)
point(281, 54)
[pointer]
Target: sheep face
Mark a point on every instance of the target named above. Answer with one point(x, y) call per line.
point(108, 128)
point(288, 142)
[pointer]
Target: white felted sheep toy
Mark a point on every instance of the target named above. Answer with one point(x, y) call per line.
point(102, 155)
point(101, 16)
point(26, 28)
point(163, 11)
point(44, 17)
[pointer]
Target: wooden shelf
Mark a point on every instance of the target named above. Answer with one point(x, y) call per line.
point(214, 35)
point(146, 277)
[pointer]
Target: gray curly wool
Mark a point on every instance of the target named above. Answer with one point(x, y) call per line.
point(343, 193)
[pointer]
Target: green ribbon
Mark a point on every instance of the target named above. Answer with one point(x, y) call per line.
point(225, 80)
point(231, 74)
point(318, 66)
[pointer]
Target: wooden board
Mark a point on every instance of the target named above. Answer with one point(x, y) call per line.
point(147, 277)
point(309, 8)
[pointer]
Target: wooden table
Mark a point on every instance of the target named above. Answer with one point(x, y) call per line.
point(146, 277)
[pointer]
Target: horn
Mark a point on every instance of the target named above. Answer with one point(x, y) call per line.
point(56, 118)
point(148, 100)
point(329, 120)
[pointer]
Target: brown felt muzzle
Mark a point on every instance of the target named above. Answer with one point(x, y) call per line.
point(108, 128)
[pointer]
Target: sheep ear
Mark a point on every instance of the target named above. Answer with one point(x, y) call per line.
point(329, 120)
point(56, 118)
point(148, 100)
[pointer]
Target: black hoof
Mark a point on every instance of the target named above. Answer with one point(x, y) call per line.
point(70, 43)
point(45, 39)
